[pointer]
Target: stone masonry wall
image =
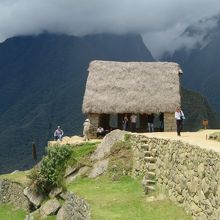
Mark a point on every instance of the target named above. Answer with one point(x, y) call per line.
point(169, 122)
point(94, 120)
point(190, 175)
point(12, 193)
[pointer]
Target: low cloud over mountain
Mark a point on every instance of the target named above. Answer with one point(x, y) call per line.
point(159, 22)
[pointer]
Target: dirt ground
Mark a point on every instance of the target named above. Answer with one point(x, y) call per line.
point(199, 138)
point(72, 140)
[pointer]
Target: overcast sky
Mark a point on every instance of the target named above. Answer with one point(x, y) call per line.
point(159, 21)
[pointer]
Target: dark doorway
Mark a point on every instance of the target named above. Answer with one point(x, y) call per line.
point(104, 121)
point(143, 122)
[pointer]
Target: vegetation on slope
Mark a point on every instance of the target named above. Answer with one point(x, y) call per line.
point(8, 212)
point(113, 196)
point(50, 173)
point(123, 199)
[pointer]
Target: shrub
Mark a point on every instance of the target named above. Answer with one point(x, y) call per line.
point(52, 168)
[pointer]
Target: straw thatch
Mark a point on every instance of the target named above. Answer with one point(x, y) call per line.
point(126, 87)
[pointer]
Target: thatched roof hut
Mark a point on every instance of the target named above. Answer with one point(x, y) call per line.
point(131, 87)
point(126, 87)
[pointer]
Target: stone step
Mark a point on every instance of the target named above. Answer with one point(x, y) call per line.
point(150, 174)
point(147, 153)
point(145, 146)
point(151, 167)
point(150, 159)
point(148, 189)
point(150, 182)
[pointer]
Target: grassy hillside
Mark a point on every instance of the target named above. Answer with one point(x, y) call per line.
point(124, 199)
point(109, 198)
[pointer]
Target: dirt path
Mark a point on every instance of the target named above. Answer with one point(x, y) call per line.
point(72, 140)
point(198, 138)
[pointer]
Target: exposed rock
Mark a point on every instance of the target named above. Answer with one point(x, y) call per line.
point(64, 195)
point(74, 175)
point(74, 208)
point(202, 216)
point(35, 198)
point(11, 192)
point(99, 168)
point(55, 192)
point(108, 141)
point(50, 207)
point(70, 170)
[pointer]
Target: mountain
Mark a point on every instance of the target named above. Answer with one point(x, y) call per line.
point(201, 64)
point(42, 85)
point(196, 109)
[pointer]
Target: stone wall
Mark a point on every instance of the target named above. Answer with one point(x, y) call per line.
point(190, 175)
point(12, 193)
point(169, 122)
point(94, 120)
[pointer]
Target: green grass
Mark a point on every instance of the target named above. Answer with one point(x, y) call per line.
point(8, 212)
point(84, 150)
point(124, 199)
point(19, 177)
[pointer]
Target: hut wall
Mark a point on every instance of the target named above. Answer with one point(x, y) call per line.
point(94, 120)
point(169, 122)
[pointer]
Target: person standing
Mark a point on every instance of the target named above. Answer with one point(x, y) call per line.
point(125, 122)
point(161, 118)
point(58, 134)
point(86, 127)
point(150, 123)
point(133, 122)
point(179, 116)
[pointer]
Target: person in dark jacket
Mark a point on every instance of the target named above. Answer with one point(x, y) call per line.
point(150, 122)
point(179, 116)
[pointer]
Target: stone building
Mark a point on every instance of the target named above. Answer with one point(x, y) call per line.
point(131, 87)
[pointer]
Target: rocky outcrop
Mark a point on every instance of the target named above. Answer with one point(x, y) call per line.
point(103, 151)
point(108, 141)
point(74, 208)
point(11, 192)
point(35, 198)
point(99, 168)
point(50, 207)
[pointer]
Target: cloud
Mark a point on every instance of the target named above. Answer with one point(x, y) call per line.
point(159, 21)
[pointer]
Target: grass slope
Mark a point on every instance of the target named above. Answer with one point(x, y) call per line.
point(108, 199)
point(8, 212)
point(123, 199)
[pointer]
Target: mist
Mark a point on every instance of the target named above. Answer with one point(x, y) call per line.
point(159, 22)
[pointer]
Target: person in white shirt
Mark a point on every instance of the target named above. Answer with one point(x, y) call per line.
point(179, 116)
point(100, 132)
point(86, 128)
point(133, 122)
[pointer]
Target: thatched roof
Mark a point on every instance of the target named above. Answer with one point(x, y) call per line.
point(126, 87)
